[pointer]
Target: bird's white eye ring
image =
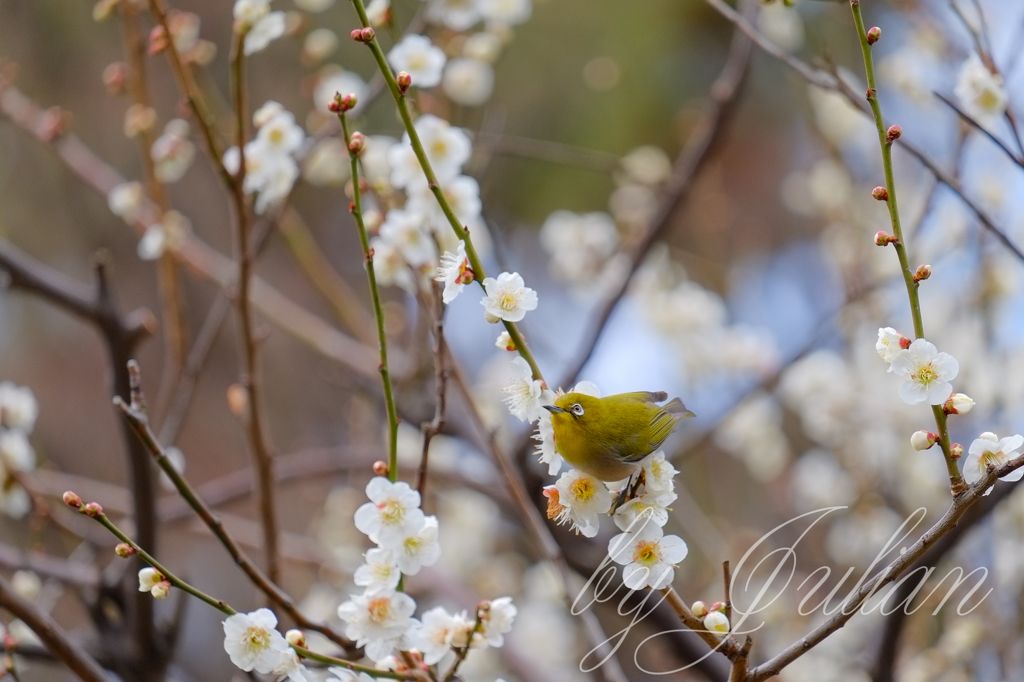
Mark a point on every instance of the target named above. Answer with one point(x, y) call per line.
point(577, 410)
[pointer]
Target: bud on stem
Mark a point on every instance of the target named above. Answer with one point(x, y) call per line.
point(880, 193)
point(956, 450)
point(893, 134)
point(356, 142)
point(874, 34)
point(923, 273)
point(883, 238)
point(922, 440)
point(404, 81)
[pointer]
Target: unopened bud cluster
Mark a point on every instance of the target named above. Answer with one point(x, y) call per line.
point(356, 142)
point(714, 618)
point(342, 103)
point(362, 35)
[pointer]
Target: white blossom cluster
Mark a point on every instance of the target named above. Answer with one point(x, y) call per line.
point(981, 92)
point(260, 26)
point(381, 618)
point(270, 166)
point(18, 412)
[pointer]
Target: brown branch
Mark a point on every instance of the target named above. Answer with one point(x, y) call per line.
point(739, 664)
point(546, 150)
point(139, 424)
point(66, 571)
point(51, 634)
point(723, 96)
point(727, 584)
point(967, 118)
point(433, 427)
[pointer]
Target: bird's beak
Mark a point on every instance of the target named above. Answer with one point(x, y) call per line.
point(554, 409)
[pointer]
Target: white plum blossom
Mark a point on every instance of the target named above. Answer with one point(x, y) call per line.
point(248, 12)
point(378, 12)
point(961, 403)
point(508, 298)
point(457, 15)
point(149, 578)
point(716, 621)
point(379, 622)
point(319, 45)
point(463, 195)
point(981, 92)
point(125, 201)
point(253, 642)
point(468, 81)
point(265, 31)
point(290, 668)
point(659, 474)
point(989, 450)
point(172, 152)
point(392, 514)
point(420, 58)
point(927, 373)
point(652, 505)
point(579, 245)
point(454, 272)
point(419, 549)
point(578, 498)
point(648, 556)
point(18, 407)
point(433, 638)
point(546, 451)
point(380, 573)
point(506, 12)
point(526, 397)
point(484, 46)
point(16, 452)
point(504, 341)
point(279, 134)
point(404, 229)
point(390, 266)
point(497, 620)
point(447, 148)
point(889, 343)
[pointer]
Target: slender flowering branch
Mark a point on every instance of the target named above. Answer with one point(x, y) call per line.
point(462, 652)
point(349, 665)
point(888, 194)
point(94, 511)
point(139, 424)
point(354, 142)
point(398, 92)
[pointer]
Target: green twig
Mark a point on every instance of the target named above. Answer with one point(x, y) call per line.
point(885, 141)
point(349, 665)
point(378, 309)
point(421, 155)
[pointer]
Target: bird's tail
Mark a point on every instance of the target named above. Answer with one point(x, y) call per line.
point(677, 409)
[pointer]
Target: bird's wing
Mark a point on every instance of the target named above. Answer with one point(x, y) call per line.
point(647, 396)
point(676, 408)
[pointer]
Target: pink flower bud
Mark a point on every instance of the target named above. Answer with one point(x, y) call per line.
point(883, 238)
point(699, 608)
point(380, 468)
point(880, 193)
point(348, 102)
point(72, 500)
point(334, 106)
point(905, 342)
point(922, 440)
point(357, 35)
point(157, 40)
point(92, 509)
point(114, 77)
point(124, 550)
point(718, 606)
point(893, 134)
point(956, 450)
point(923, 272)
point(404, 81)
point(296, 638)
point(874, 33)
point(356, 142)
point(161, 590)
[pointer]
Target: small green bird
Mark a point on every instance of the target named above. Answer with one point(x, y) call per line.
point(609, 437)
